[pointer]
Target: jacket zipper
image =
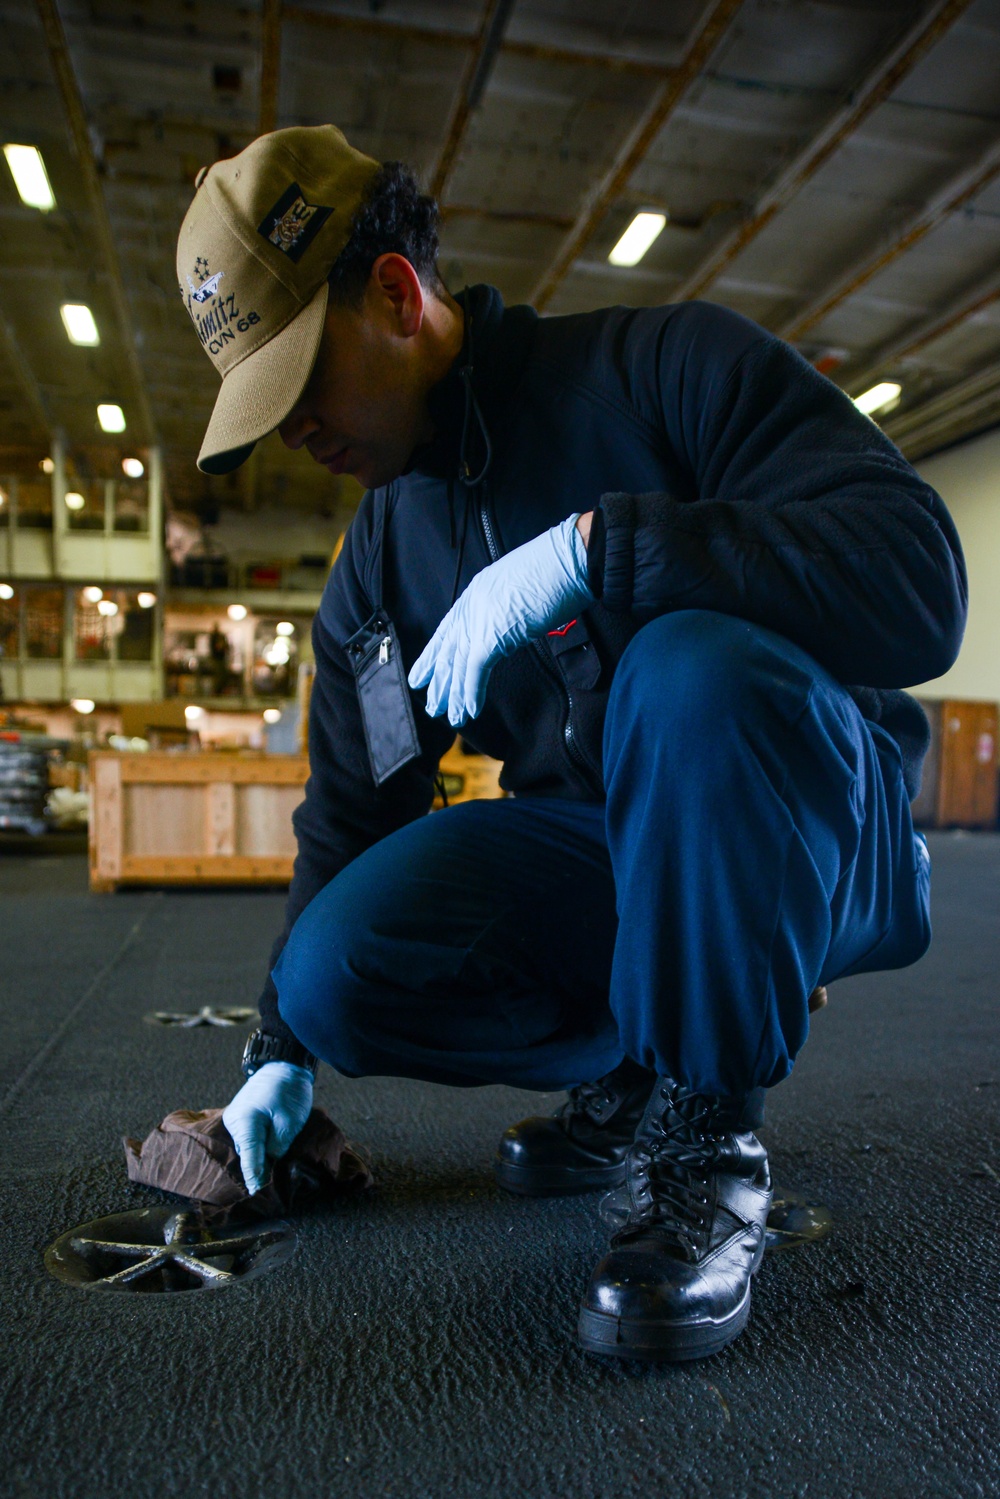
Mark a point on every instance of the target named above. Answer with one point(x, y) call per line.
point(363, 654)
point(576, 755)
point(487, 524)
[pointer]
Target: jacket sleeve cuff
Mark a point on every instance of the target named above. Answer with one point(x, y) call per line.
point(270, 1019)
point(595, 553)
point(617, 518)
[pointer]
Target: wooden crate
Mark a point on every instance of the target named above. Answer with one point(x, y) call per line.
point(468, 777)
point(201, 819)
point(959, 787)
point(216, 818)
point(303, 692)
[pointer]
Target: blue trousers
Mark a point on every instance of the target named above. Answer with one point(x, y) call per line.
point(756, 841)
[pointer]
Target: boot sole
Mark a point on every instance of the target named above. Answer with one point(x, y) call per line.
point(555, 1181)
point(660, 1342)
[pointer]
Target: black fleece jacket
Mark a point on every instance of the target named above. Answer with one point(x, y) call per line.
point(724, 473)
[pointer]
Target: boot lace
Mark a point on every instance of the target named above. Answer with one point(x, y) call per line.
point(675, 1154)
point(586, 1099)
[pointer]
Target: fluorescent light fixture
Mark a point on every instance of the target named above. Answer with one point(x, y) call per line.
point(193, 712)
point(133, 468)
point(237, 611)
point(83, 705)
point(285, 627)
point(6, 592)
point(78, 320)
point(93, 594)
point(880, 398)
point(3, 498)
point(146, 600)
point(110, 418)
point(107, 607)
point(638, 237)
point(47, 466)
point(278, 653)
point(272, 715)
point(75, 500)
point(30, 177)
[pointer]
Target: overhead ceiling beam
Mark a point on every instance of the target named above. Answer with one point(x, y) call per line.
point(662, 105)
point(957, 394)
point(973, 420)
point(979, 417)
point(62, 65)
point(958, 192)
point(946, 414)
point(928, 331)
point(11, 351)
point(870, 93)
point(270, 66)
point(385, 27)
point(475, 77)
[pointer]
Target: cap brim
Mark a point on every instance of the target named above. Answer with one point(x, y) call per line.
point(260, 391)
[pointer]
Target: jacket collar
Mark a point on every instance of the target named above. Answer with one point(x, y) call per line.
point(495, 350)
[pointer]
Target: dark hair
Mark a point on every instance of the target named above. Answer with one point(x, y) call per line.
point(395, 216)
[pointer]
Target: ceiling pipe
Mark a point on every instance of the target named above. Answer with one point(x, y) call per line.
point(611, 62)
point(270, 66)
point(493, 30)
point(928, 331)
point(662, 105)
point(62, 66)
point(502, 216)
point(381, 26)
point(953, 197)
point(478, 67)
point(870, 93)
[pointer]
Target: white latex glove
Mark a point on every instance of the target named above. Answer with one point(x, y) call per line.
point(266, 1115)
point(531, 590)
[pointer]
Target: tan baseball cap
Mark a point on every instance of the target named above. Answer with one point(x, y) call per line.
point(253, 255)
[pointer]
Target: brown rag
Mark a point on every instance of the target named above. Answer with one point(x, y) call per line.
point(191, 1153)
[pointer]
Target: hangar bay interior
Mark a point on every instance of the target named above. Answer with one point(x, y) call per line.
point(827, 168)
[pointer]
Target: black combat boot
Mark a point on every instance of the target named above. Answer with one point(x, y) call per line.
point(582, 1146)
point(692, 1216)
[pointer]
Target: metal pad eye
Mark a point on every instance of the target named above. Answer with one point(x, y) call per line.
point(161, 1249)
point(793, 1221)
point(207, 1015)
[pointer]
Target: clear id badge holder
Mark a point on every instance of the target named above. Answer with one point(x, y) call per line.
point(383, 691)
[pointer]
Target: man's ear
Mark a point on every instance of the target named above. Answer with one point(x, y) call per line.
point(398, 292)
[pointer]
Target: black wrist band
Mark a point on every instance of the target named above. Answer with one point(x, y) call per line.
point(262, 1047)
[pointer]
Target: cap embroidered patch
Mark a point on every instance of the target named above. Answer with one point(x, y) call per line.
point(292, 224)
point(208, 288)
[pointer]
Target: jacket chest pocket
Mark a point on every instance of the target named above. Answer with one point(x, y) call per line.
point(384, 696)
point(575, 654)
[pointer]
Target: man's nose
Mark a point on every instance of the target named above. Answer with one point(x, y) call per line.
point(296, 427)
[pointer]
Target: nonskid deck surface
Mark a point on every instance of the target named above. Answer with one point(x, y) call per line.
point(421, 1342)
